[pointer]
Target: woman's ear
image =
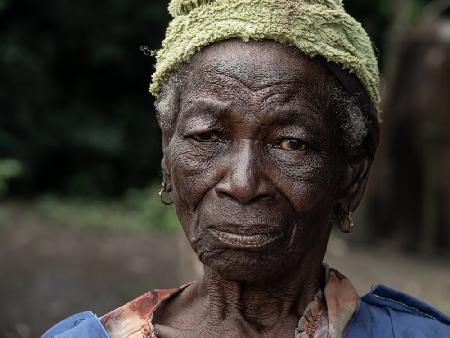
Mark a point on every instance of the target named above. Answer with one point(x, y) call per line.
point(355, 180)
point(165, 163)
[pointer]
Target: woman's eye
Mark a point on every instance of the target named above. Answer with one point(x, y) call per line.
point(291, 144)
point(209, 136)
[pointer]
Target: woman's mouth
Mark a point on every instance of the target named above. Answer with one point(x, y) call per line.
point(241, 241)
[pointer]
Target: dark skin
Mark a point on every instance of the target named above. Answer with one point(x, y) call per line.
point(255, 171)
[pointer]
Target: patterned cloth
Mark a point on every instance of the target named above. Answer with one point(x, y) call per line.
point(133, 320)
point(325, 317)
point(330, 311)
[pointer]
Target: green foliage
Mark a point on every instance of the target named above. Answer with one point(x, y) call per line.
point(417, 7)
point(4, 4)
point(8, 169)
point(139, 210)
point(75, 107)
point(385, 8)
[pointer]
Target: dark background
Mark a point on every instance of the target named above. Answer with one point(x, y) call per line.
point(81, 226)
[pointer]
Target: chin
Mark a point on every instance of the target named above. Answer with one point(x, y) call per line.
point(244, 266)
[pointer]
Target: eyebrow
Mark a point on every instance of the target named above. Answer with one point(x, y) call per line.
point(287, 114)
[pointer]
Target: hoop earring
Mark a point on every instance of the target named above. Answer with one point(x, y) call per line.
point(347, 224)
point(164, 192)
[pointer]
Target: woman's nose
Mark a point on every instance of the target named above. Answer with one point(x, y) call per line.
point(245, 180)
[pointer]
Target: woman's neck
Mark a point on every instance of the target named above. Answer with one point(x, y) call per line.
point(218, 307)
point(261, 305)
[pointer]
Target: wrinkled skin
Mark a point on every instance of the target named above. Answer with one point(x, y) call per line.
point(255, 171)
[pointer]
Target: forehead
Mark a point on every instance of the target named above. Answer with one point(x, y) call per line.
point(263, 66)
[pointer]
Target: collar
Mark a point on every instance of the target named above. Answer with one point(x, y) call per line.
point(325, 317)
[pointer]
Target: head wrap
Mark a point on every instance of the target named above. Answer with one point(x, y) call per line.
point(315, 27)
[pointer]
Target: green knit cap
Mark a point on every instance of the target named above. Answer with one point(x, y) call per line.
point(315, 27)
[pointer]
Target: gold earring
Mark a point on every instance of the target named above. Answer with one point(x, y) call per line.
point(347, 224)
point(164, 192)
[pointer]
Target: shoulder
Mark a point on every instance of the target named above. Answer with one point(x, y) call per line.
point(84, 324)
point(125, 321)
point(385, 312)
point(134, 316)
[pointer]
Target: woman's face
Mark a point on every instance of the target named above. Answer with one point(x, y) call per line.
point(254, 161)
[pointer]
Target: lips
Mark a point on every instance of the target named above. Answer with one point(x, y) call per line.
point(245, 241)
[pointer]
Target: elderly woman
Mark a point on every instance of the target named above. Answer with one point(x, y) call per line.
point(269, 118)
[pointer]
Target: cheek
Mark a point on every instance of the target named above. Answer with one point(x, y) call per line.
point(309, 185)
point(311, 191)
point(194, 171)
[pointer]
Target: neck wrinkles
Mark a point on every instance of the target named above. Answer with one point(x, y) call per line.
point(261, 305)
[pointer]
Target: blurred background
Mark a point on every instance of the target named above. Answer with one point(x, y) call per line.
point(81, 226)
